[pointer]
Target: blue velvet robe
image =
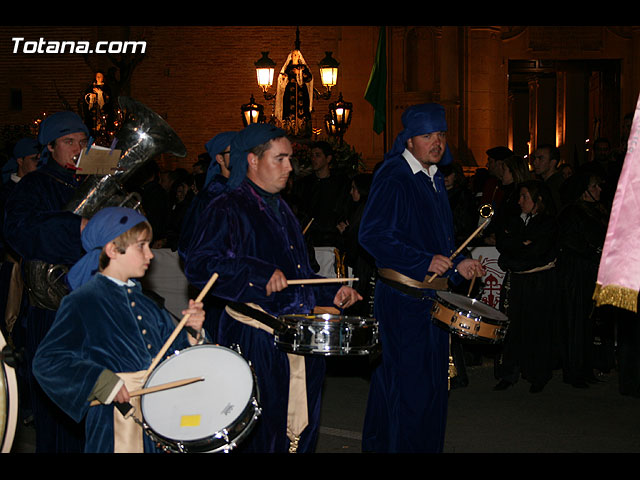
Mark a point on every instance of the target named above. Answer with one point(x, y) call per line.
point(101, 325)
point(37, 227)
point(406, 222)
point(214, 188)
point(213, 306)
point(244, 240)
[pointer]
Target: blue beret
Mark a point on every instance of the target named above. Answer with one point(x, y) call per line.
point(421, 120)
point(105, 226)
point(25, 147)
point(215, 146)
point(249, 137)
point(60, 124)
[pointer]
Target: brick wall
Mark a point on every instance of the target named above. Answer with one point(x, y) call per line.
point(196, 77)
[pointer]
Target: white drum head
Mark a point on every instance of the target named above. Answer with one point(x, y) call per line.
point(201, 409)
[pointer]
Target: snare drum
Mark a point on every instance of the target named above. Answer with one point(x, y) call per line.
point(469, 318)
point(213, 415)
point(327, 334)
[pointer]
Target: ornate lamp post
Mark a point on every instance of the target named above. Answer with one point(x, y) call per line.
point(264, 71)
point(300, 120)
point(339, 118)
point(252, 112)
point(328, 75)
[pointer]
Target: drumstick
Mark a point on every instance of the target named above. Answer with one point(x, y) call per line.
point(158, 388)
point(175, 333)
point(307, 227)
point(461, 247)
point(303, 281)
point(473, 280)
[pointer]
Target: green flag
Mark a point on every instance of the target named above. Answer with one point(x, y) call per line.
point(376, 93)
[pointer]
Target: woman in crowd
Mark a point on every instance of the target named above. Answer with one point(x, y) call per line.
point(582, 229)
point(515, 171)
point(527, 247)
point(356, 257)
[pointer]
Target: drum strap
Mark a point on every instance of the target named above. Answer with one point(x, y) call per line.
point(127, 434)
point(410, 286)
point(257, 314)
point(297, 412)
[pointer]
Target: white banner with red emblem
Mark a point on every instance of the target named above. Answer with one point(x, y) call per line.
point(493, 277)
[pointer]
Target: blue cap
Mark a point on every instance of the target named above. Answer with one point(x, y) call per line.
point(58, 125)
point(215, 146)
point(249, 137)
point(25, 147)
point(421, 120)
point(105, 226)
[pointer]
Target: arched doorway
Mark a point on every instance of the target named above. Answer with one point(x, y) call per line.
point(569, 103)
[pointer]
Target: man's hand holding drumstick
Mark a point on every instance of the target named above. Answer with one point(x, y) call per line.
point(468, 267)
point(345, 297)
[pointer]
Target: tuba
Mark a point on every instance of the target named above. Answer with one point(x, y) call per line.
point(143, 135)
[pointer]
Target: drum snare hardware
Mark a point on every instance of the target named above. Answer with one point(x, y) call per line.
point(327, 334)
point(469, 318)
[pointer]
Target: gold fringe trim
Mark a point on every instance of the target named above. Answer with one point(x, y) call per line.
point(617, 296)
point(293, 444)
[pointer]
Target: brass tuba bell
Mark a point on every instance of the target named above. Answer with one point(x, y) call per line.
point(143, 135)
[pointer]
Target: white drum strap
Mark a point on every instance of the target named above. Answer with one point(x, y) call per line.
point(297, 412)
point(127, 434)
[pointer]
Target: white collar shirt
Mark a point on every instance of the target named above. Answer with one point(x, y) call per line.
point(417, 167)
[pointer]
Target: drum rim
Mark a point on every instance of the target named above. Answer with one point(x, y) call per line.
point(326, 317)
point(10, 392)
point(491, 320)
point(249, 414)
point(216, 440)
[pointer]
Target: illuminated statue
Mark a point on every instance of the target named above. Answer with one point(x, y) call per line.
point(98, 111)
point(294, 96)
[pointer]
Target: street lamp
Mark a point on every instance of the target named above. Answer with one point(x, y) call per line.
point(264, 71)
point(340, 113)
point(252, 112)
point(328, 75)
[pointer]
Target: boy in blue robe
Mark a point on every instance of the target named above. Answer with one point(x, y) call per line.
point(252, 239)
point(107, 332)
point(407, 227)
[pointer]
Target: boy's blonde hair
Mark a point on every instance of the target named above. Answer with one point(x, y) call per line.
point(127, 238)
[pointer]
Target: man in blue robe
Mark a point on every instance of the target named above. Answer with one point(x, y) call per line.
point(407, 227)
point(215, 184)
point(13, 298)
point(37, 227)
point(251, 238)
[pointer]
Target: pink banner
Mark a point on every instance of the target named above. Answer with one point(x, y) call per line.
point(618, 279)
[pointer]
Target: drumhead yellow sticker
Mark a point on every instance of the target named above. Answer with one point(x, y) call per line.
point(190, 421)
